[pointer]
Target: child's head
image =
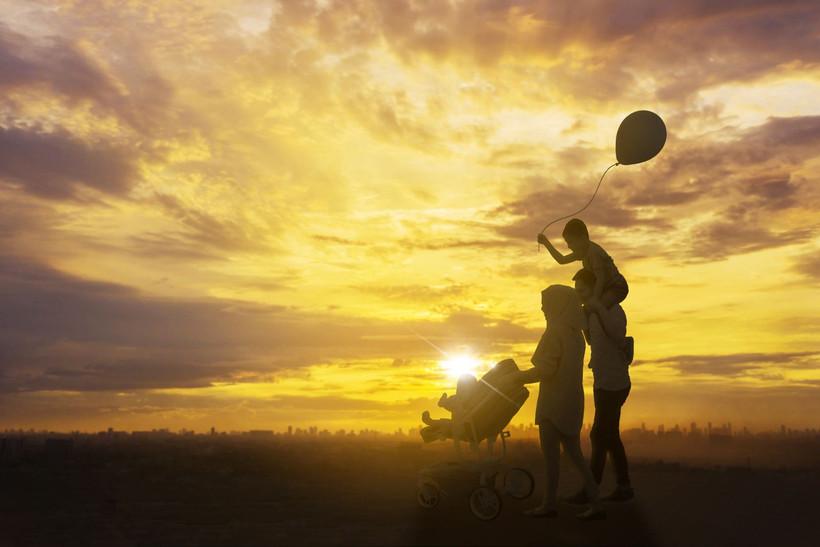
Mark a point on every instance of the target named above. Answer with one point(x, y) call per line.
point(575, 234)
point(466, 383)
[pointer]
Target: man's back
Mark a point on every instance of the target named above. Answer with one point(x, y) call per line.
point(608, 362)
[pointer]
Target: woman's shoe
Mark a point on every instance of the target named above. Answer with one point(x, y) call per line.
point(542, 511)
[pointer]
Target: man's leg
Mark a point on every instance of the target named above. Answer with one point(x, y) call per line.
point(597, 443)
point(619, 461)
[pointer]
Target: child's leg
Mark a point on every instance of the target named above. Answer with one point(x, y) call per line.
point(443, 423)
point(615, 292)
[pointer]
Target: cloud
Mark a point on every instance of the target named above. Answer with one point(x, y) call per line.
point(530, 213)
point(673, 42)
point(736, 364)
point(56, 165)
point(807, 265)
point(414, 293)
point(204, 230)
point(61, 332)
point(123, 84)
point(57, 63)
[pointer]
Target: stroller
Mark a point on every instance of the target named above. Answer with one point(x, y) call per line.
point(487, 412)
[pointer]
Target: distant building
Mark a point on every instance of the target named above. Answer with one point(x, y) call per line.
point(59, 449)
point(260, 433)
point(11, 449)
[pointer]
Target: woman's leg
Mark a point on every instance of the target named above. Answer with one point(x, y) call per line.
point(572, 448)
point(551, 448)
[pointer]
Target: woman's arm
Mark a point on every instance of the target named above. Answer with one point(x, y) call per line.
point(528, 376)
point(556, 254)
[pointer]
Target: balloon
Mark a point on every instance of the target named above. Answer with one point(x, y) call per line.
point(640, 137)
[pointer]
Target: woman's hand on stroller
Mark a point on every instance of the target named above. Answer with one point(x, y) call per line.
point(509, 382)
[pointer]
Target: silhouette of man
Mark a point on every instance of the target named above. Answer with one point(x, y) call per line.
point(606, 335)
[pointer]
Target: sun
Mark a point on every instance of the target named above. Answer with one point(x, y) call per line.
point(457, 365)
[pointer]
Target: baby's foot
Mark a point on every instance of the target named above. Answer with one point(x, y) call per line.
point(425, 417)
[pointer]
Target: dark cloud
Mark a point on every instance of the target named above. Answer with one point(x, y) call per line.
point(202, 231)
point(756, 161)
point(531, 212)
point(56, 165)
point(138, 96)
point(737, 233)
point(61, 332)
point(129, 374)
point(749, 180)
point(808, 265)
point(736, 364)
point(54, 62)
point(684, 46)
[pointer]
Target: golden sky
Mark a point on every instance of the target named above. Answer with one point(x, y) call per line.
point(250, 214)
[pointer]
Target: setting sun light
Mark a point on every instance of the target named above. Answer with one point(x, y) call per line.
point(458, 365)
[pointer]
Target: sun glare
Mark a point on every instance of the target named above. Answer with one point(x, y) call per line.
point(457, 365)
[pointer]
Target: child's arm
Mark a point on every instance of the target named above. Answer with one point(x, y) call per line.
point(559, 258)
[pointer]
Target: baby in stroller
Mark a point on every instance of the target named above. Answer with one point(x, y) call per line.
point(480, 408)
point(457, 404)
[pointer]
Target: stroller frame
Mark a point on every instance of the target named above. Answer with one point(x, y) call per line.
point(485, 500)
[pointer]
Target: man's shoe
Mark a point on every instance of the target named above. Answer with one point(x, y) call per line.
point(593, 513)
point(579, 498)
point(621, 493)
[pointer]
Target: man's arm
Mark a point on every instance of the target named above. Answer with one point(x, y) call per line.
point(598, 290)
point(556, 254)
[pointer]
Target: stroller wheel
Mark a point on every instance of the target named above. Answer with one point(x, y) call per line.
point(518, 483)
point(428, 495)
point(485, 503)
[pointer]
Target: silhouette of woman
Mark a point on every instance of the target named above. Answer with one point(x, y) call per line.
point(559, 361)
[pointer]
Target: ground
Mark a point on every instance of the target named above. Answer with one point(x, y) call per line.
point(360, 492)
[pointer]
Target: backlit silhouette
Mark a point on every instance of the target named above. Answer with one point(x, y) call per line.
point(559, 361)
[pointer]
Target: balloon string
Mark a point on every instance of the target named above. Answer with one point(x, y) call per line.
point(582, 209)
